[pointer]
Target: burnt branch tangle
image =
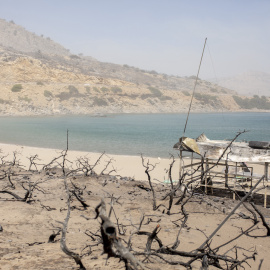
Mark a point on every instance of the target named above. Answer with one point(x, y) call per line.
point(105, 221)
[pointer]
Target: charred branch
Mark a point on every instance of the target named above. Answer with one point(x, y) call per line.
point(148, 168)
point(63, 245)
point(112, 244)
point(262, 218)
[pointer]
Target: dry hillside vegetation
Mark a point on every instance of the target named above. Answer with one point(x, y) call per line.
point(46, 73)
point(53, 90)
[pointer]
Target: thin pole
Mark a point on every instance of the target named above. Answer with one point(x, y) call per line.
point(266, 185)
point(194, 87)
point(67, 139)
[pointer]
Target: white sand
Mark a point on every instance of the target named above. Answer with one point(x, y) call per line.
point(128, 166)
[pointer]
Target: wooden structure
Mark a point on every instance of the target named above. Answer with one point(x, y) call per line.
point(224, 164)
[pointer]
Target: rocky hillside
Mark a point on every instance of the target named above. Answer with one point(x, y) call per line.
point(31, 87)
point(38, 76)
point(15, 37)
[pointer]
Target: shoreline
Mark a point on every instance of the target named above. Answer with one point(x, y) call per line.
point(104, 114)
point(125, 165)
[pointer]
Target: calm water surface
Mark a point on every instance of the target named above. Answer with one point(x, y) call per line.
point(130, 134)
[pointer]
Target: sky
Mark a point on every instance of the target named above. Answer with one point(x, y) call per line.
point(162, 35)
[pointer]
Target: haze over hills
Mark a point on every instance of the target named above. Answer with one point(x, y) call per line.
point(39, 76)
point(248, 83)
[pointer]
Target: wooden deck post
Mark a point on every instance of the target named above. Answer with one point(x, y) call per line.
point(266, 183)
point(266, 171)
point(191, 166)
point(180, 164)
point(202, 170)
point(226, 173)
point(235, 179)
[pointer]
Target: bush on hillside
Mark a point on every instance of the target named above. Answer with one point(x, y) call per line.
point(104, 89)
point(47, 93)
point(16, 88)
point(25, 98)
point(116, 89)
point(153, 72)
point(74, 56)
point(214, 90)
point(193, 77)
point(3, 101)
point(88, 89)
point(186, 93)
point(145, 96)
point(111, 99)
point(251, 103)
point(73, 90)
point(155, 91)
point(99, 102)
point(206, 99)
point(164, 98)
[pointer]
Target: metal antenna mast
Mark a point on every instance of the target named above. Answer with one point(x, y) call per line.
point(194, 88)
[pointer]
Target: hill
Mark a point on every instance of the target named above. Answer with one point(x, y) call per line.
point(39, 76)
point(15, 37)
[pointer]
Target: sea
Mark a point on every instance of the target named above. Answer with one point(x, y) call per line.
point(152, 135)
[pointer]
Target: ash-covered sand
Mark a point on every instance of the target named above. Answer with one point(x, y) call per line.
point(27, 226)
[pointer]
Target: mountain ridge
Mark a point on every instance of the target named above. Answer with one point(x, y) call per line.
point(39, 76)
point(16, 37)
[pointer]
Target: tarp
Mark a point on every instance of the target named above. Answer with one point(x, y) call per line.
point(214, 149)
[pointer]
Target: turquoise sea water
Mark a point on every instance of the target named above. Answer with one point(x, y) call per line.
point(130, 134)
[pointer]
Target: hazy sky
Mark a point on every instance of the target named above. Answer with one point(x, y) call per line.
point(162, 35)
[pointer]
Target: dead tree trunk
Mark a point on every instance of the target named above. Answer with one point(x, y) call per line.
point(63, 245)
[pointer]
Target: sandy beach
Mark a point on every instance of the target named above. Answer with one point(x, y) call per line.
point(125, 166)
